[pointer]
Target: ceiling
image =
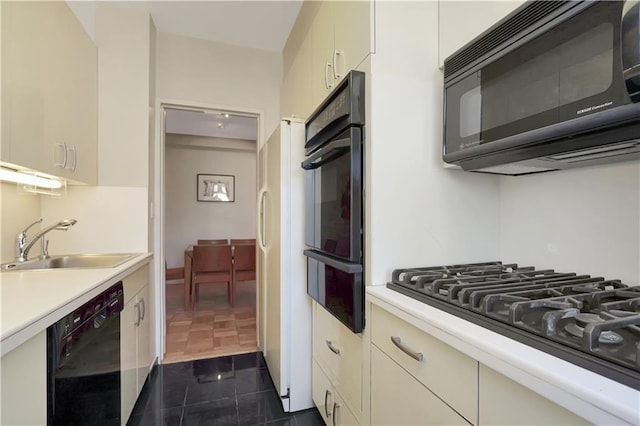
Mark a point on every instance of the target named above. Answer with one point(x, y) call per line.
point(217, 124)
point(261, 25)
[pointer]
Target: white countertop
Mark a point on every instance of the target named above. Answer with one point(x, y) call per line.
point(30, 301)
point(590, 395)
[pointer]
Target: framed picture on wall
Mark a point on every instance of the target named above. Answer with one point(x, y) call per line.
point(216, 188)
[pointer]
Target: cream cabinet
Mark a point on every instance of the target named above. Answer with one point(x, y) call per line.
point(331, 405)
point(430, 361)
point(296, 99)
point(49, 91)
point(340, 39)
point(505, 402)
point(23, 378)
point(135, 338)
point(459, 22)
point(397, 398)
point(338, 352)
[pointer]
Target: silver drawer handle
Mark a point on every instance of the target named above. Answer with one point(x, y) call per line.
point(335, 407)
point(333, 348)
point(326, 396)
point(415, 355)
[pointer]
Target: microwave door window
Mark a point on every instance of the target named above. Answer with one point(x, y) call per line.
point(531, 94)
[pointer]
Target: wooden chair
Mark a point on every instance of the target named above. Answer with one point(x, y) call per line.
point(215, 242)
point(244, 263)
point(211, 264)
point(241, 241)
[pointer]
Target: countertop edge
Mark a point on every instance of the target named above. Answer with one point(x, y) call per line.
point(594, 397)
point(16, 336)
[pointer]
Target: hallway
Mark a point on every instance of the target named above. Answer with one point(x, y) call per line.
point(213, 328)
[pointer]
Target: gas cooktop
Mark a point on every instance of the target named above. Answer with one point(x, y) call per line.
point(591, 322)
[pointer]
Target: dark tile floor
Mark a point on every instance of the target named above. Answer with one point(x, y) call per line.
point(229, 390)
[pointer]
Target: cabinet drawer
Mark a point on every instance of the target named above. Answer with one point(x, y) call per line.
point(331, 406)
point(135, 282)
point(397, 398)
point(339, 353)
point(448, 373)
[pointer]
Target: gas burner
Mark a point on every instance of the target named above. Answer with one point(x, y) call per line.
point(590, 321)
point(577, 329)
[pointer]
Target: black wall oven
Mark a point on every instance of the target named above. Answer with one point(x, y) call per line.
point(334, 202)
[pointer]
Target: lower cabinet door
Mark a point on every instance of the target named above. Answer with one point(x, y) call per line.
point(128, 355)
point(505, 402)
point(330, 404)
point(322, 392)
point(397, 398)
point(144, 358)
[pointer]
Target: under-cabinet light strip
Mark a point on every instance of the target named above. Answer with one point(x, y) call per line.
point(29, 179)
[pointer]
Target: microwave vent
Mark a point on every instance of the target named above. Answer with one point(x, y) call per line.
point(624, 148)
point(528, 18)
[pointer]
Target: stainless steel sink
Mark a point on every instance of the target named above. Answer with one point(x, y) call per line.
point(71, 261)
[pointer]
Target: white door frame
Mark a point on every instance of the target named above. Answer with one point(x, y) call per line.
point(158, 202)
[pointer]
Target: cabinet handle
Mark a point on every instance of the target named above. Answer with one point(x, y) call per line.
point(138, 319)
point(336, 74)
point(335, 408)
point(332, 347)
point(74, 158)
point(326, 396)
point(415, 355)
point(327, 65)
point(63, 147)
point(144, 309)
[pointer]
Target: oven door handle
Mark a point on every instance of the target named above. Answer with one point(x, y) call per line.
point(348, 267)
point(326, 154)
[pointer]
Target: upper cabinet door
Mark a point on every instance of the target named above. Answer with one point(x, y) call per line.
point(322, 78)
point(296, 99)
point(50, 75)
point(353, 21)
point(459, 22)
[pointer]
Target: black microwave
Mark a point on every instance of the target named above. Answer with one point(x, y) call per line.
point(554, 85)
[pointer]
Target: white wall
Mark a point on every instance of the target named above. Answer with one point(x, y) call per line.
point(186, 219)
point(123, 38)
point(190, 69)
point(584, 220)
point(110, 220)
point(419, 213)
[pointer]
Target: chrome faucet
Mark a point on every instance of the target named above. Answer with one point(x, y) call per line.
point(23, 248)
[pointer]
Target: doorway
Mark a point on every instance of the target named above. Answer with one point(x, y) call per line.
point(200, 145)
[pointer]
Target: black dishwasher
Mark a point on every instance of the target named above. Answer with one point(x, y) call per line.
point(83, 363)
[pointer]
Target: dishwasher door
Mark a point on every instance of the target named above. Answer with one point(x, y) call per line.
point(83, 363)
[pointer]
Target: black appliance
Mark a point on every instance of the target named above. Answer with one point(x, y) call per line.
point(555, 85)
point(334, 205)
point(83, 363)
point(591, 322)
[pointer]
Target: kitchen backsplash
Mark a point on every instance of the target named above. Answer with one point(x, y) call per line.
point(583, 220)
point(110, 219)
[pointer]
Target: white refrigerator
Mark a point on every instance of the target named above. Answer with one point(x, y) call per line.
point(284, 308)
